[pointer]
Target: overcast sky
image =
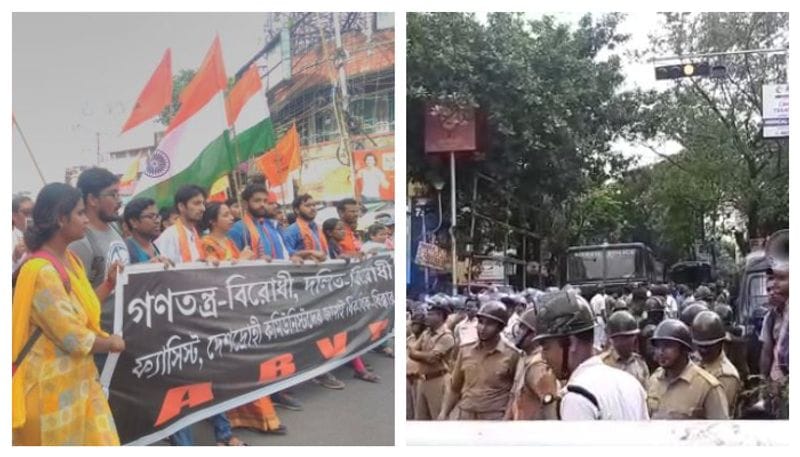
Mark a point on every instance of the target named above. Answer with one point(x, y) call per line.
point(78, 74)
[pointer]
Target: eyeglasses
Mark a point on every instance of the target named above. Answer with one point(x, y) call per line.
point(153, 216)
point(114, 194)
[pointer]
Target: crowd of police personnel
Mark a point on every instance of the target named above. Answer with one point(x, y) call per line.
point(552, 354)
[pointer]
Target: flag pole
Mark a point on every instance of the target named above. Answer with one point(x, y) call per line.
point(237, 160)
point(28, 148)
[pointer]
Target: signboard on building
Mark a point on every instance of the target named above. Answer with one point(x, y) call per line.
point(492, 271)
point(452, 129)
point(775, 110)
point(432, 256)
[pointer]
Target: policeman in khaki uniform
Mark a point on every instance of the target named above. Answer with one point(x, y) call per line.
point(708, 335)
point(430, 352)
point(691, 311)
point(535, 389)
point(736, 346)
point(416, 327)
point(623, 331)
point(679, 389)
point(484, 371)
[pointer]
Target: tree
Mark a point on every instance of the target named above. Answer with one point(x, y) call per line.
point(554, 107)
point(726, 162)
point(179, 82)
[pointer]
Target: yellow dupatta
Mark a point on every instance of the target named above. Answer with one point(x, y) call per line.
point(81, 289)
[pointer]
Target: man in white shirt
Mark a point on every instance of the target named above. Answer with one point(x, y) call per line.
point(180, 242)
point(466, 331)
point(594, 391)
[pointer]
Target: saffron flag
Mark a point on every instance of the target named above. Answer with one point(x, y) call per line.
point(247, 86)
point(277, 163)
point(156, 95)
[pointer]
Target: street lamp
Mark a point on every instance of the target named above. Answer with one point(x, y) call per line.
point(438, 184)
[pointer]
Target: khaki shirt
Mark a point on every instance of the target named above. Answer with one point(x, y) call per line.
point(727, 375)
point(453, 319)
point(635, 365)
point(533, 382)
point(484, 376)
point(412, 366)
point(695, 394)
point(440, 343)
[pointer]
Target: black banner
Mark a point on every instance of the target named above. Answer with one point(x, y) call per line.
point(202, 340)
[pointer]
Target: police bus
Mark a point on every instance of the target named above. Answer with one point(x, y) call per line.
point(612, 266)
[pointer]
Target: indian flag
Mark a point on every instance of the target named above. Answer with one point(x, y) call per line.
point(196, 148)
point(248, 113)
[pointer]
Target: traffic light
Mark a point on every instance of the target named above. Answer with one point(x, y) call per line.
point(686, 70)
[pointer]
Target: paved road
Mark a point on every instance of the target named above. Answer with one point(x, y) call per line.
point(361, 414)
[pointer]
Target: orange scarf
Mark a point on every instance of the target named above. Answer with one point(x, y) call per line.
point(212, 247)
point(255, 237)
point(350, 244)
point(183, 242)
point(308, 238)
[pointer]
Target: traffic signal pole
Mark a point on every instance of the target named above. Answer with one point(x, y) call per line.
point(717, 54)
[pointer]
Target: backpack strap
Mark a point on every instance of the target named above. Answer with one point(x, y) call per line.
point(60, 268)
point(62, 272)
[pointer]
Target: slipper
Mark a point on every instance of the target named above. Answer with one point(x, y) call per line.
point(232, 441)
point(367, 376)
point(328, 381)
point(281, 430)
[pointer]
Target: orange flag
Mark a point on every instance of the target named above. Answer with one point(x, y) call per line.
point(157, 94)
point(277, 163)
point(209, 80)
point(247, 86)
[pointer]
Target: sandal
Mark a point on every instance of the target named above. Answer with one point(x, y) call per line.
point(232, 441)
point(281, 430)
point(367, 376)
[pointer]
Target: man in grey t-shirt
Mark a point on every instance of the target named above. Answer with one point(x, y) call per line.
point(99, 250)
point(103, 248)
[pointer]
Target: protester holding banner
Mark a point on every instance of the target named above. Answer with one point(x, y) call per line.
point(103, 249)
point(259, 415)
point(335, 231)
point(349, 210)
point(180, 242)
point(142, 216)
point(349, 246)
point(56, 396)
point(304, 238)
point(252, 232)
point(218, 220)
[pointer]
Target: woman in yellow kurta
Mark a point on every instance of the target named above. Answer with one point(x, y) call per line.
point(57, 398)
